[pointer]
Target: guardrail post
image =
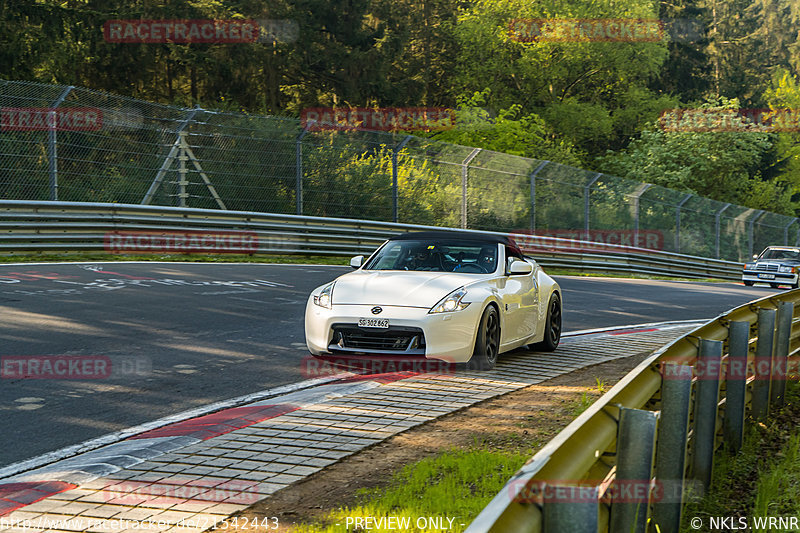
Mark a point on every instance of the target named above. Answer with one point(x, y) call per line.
point(673, 428)
point(763, 363)
point(736, 384)
point(395, 186)
point(707, 370)
point(636, 437)
point(576, 515)
point(780, 360)
point(533, 193)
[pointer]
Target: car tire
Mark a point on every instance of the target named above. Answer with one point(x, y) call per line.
point(774, 285)
point(487, 343)
point(796, 284)
point(552, 327)
point(748, 283)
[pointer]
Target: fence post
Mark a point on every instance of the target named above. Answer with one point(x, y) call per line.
point(395, 188)
point(717, 227)
point(586, 190)
point(636, 196)
point(464, 176)
point(182, 181)
point(736, 384)
point(52, 151)
point(570, 516)
point(780, 360)
point(298, 185)
point(533, 193)
point(673, 429)
point(750, 236)
point(678, 222)
point(786, 232)
point(707, 369)
point(176, 146)
point(636, 438)
point(763, 363)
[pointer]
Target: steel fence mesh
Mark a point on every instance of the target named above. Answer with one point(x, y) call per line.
point(140, 152)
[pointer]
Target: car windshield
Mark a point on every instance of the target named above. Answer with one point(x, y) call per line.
point(470, 257)
point(776, 253)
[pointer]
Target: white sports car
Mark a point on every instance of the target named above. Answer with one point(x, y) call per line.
point(450, 296)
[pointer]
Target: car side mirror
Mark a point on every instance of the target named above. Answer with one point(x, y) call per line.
point(755, 256)
point(520, 267)
point(357, 261)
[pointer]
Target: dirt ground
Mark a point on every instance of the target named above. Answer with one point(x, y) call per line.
point(524, 419)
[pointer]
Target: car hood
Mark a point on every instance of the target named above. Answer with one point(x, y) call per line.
point(787, 262)
point(408, 289)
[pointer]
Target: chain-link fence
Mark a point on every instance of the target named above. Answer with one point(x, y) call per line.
point(72, 144)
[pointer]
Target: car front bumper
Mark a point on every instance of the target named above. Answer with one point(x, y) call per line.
point(759, 276)
point(447, 336)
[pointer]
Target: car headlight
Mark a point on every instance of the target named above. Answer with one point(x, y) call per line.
point(787, 269)
point(749, 266)
point(323, 299)
point(451, 302)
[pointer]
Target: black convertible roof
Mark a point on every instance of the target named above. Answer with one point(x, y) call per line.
point(454, 236)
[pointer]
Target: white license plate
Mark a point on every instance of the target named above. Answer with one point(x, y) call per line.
point(766, 276)
point(373, 322)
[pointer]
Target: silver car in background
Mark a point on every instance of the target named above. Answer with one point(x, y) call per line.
point(777, 265)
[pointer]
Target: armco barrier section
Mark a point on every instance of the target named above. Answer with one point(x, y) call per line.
point(628, 462)
point(40, 226)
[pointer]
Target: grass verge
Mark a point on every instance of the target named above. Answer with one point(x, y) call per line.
point(444, 492)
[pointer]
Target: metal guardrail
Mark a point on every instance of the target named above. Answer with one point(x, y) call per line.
point(64, 227)
point(656, 431)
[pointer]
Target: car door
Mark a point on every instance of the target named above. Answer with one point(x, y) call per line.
point(519, 297)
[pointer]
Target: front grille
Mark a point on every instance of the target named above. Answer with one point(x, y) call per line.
point(393, 339)
point(767, 267)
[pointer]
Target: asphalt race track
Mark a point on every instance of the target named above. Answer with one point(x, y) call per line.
point(183, 335)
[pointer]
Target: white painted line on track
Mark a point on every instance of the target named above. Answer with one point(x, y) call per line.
point(664, 324)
